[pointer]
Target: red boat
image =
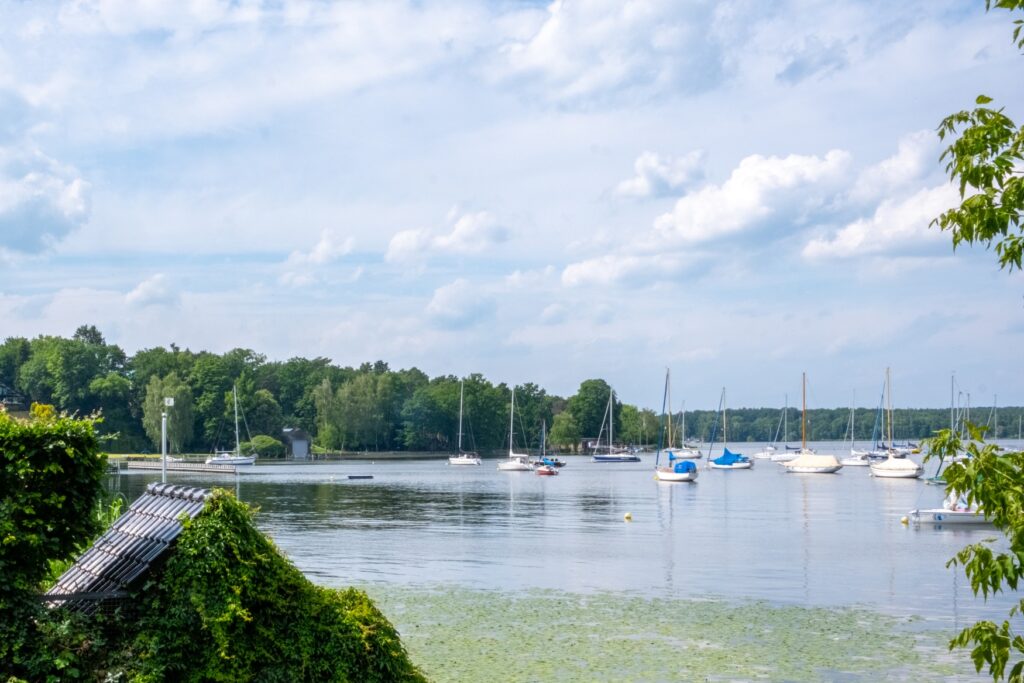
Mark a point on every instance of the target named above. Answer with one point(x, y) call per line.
point(546, 471)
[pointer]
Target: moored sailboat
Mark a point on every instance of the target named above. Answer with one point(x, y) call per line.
point(462, 458)
point(894, 467)
point(727, 460)
point(678, 469)
point(233, 457)
point(611, 453)
point(516, 462)
point(807, 461)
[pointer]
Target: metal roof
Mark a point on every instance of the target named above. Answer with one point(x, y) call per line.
point(123, 555)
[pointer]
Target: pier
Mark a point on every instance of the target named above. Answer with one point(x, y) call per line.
point(176, 466)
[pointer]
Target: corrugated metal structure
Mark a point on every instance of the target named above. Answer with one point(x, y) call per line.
point(120, 558)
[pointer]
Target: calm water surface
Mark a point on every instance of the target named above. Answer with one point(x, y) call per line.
point(764, 534)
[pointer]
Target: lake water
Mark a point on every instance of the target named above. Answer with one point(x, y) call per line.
point(814, 541)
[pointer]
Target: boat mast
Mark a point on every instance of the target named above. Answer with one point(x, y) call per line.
point(461, 390)
point(785, 421)
point(668, 406)
point(234, 393)
point(803, 414)
point(611, 420)
point(511, 421)
point(952, 418)
point(725, 426)
point(888, 393)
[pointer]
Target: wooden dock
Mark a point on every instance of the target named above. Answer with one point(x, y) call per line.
point(177, 466)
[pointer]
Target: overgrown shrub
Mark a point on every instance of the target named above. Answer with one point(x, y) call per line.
point(229, 607)
point(51, 472)
point(263, 446)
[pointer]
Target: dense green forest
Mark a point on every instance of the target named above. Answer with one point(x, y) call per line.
point(371, 407)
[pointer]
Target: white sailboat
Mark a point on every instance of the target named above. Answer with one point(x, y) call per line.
point(234, 457)
point(770, 449)
point(612, 453)
point(684, 469)
point(463, 458)
point(727, 460)
point(807, 461)
point(954, 510)
point(682, 451)
point(857, 458)
point(894, 467)
point(517, 462)
point(785, 455)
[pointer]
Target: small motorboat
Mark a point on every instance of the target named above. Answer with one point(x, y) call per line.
point(953, 511)
point(546, 470)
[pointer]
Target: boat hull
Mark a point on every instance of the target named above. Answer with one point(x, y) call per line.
point(615, 458)
point(941, 516)
point(546, 471)
point(734, 466)
point(669, 474)
point(897, 474)
point(463, 460)
point(855, 461)
point(239, 461)
point(814, 469)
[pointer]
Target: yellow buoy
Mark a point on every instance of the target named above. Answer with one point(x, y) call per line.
point(628, 517)
point(904, 520)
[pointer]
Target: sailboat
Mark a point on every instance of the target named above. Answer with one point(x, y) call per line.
point(894, 467)
point(857, 458)
point(546, 460)
point(517, 462)
point(613, 454)
point(787, 453)
point(769, 449)
point(684, 469)
point(807, 461)
point(681, 452)
point(234, 457)
point(727, 460)
point(463, 458)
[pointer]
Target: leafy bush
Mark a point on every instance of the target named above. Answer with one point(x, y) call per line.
point(230, 607)
point(51, 473)
point(263, 446)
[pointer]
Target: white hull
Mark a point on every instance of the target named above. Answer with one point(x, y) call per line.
point(896, 474)
point(814, 469)
point(669, 474)
point(516, 463)
point(897, 468)
point(683, 453)
point(231, 460)
point(735, 466)
point(766, 454)
point(464, 460)
point(856, 461)
point(809, 462)
point(943, 516)
point(784, 457)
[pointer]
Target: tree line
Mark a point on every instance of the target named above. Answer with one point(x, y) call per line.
point(367, 408)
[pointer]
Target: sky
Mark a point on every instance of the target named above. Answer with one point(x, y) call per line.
point(539, 192)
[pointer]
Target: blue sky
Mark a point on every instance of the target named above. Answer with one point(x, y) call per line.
point(538, 192)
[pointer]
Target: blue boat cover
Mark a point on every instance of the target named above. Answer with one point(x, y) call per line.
point(729, 458)
point(548, 462)
point(684, 466)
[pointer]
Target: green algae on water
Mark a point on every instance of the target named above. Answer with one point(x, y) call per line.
point(462, 635)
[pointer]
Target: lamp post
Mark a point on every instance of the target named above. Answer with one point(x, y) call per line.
point(168, 403)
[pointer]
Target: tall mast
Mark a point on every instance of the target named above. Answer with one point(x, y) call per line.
point(785, 421)
point(803, 414)
point(611, 420)
point(952, 418)
point(511, 421)
point(682, 427)
point(995, 416)
point(461, 390)
point(234, 393)
point(725, 425)
point(668, 399)
point(888, 392)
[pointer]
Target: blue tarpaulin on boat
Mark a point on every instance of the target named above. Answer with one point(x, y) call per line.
point(729, 458)
point(684, 466)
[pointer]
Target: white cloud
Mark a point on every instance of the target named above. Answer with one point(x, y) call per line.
point(758, 188)
point(41, 200)
point(896, 225)
point(300, 268)
point(585, 48)
point(471, 233)
point(657, 176)
point(153, 291)
point(916, 155)
point(623, 268)
point(458, 304)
